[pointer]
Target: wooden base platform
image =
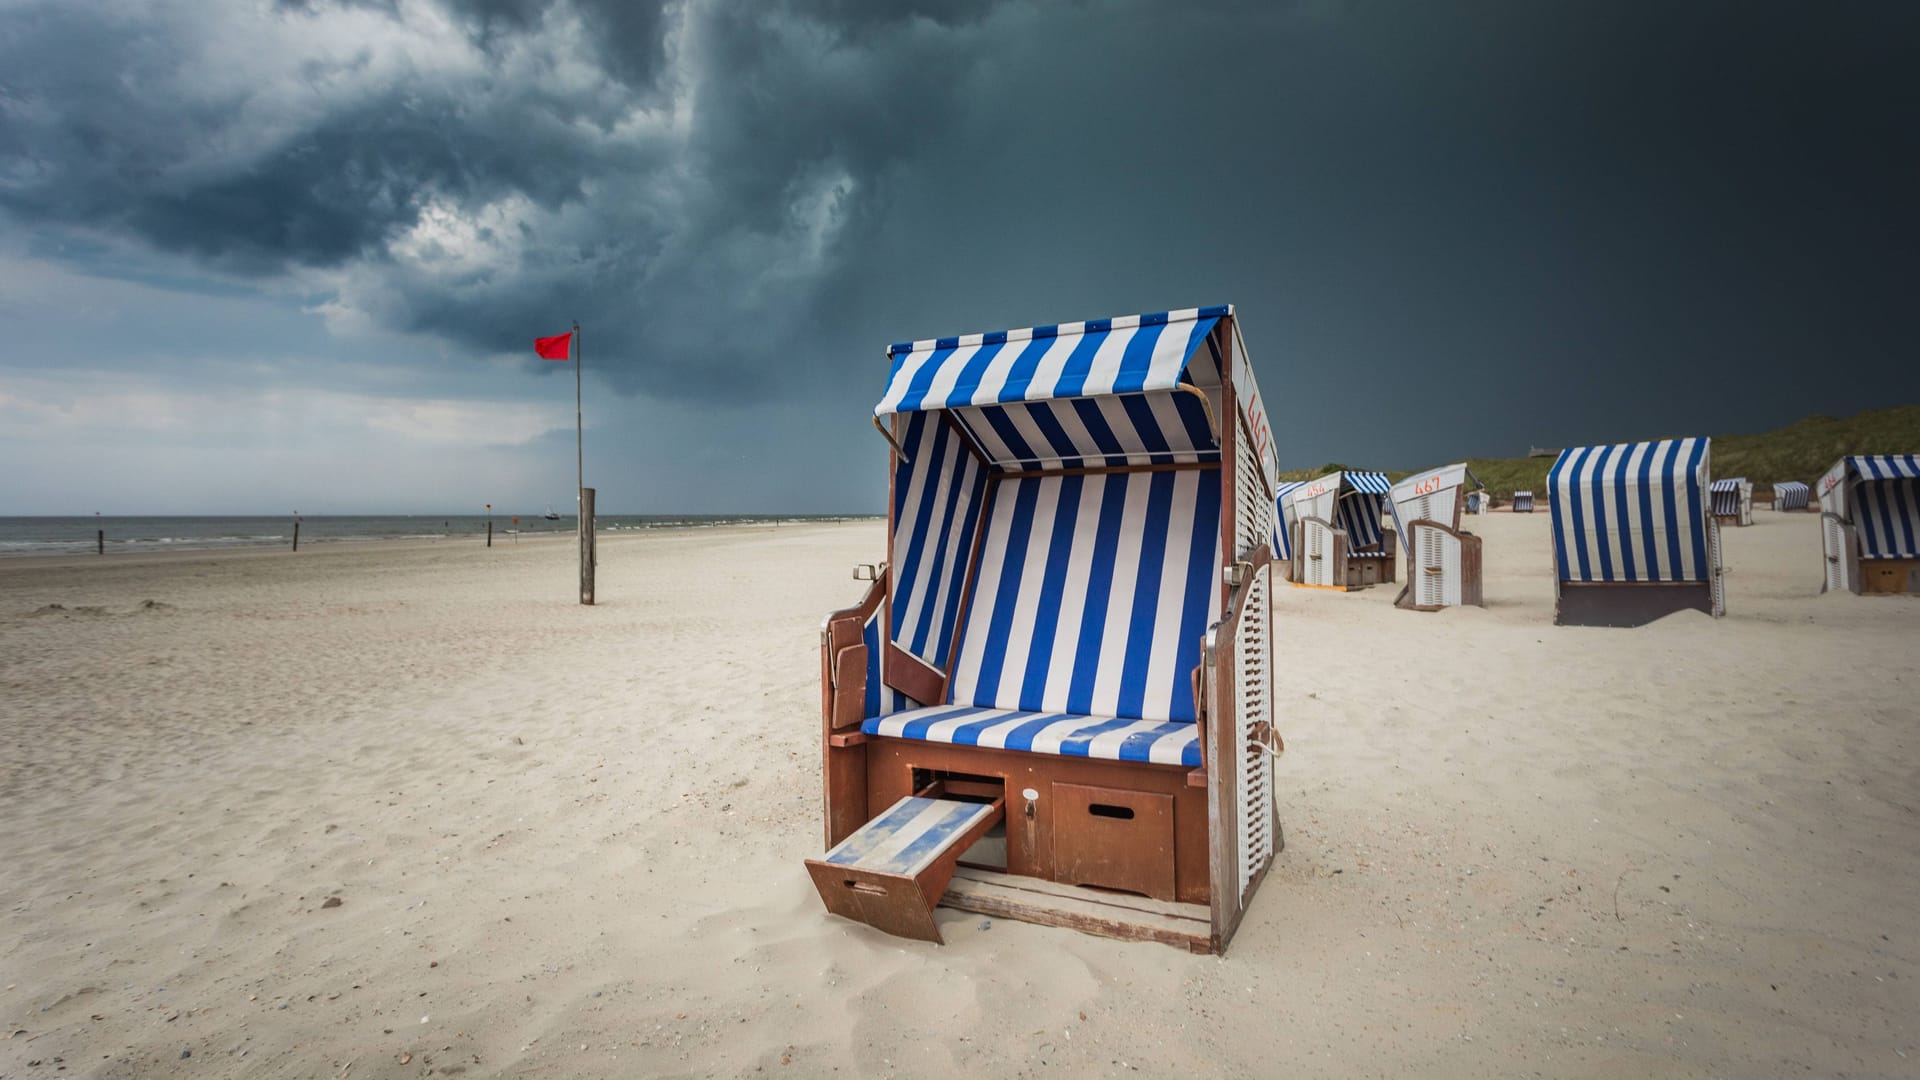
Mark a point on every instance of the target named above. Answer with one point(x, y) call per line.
point(1091, 911)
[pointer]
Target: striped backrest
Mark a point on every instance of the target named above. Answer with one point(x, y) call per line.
point(939, 493)
point(1092, 594)
point(1887, 514)
point(1633, 512)
point(1880, 495)
point(1359, 515)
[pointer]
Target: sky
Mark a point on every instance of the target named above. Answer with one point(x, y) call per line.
point(260, 255)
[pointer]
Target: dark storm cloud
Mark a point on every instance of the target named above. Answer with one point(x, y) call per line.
point(737, 199)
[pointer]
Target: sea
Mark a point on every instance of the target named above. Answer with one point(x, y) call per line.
point(20, 536)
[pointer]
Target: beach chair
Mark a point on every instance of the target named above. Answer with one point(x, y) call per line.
point(1340, 536)
point(1870, 524)
point(1633, 538)
point(1443, 563)
point(1733, 501)
point(1522, 502)
point(1053, 703)
point(1791, 495)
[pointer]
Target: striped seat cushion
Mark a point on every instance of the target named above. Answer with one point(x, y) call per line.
point(1160, 742)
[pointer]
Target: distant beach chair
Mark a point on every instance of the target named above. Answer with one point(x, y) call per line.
point(1870, 524)
point(1339, 535)
point(1476, 502)
point(1443, 563)
point(1283, 528)
point(1733, 501)
point(1522, 502)
point(1054, 703)
point(1633, 538)
point(1791, 495)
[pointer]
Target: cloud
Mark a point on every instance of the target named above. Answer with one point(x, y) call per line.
point(743, 202)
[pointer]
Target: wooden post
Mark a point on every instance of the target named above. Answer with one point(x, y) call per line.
point(296, 534)
point(587, 554)
point(100, 540)
point(489, 524)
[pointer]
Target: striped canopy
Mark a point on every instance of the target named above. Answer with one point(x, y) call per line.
point(1791, 495)
point(1880, 495)
point(1372, 483)
point(1632, 512)
point(1131, 354)
point(1107, 392)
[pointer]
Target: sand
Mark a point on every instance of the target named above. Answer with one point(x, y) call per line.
point(568, 842)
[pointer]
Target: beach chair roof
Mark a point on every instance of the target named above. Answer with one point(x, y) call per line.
point(1878, 466)
point(1455, 475)
point(1130, 391)
point(1632, 512)
point(1129, 354)
point(1789, 485)
point(1734, 484)
point(1343, 484)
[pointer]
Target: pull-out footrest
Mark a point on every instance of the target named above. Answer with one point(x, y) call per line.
point(893, 872)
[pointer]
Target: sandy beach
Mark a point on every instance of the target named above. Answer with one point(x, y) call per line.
point(567, 841)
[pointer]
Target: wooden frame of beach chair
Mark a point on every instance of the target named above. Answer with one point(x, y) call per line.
point(1633, 538)
point(1342, 539)
point(1443, 563)
point(1870, 524)
point(955, 683)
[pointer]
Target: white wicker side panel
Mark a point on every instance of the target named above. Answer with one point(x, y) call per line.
point(1836, 544)
point(1253, 705)
point(1716, 569)
point(1252, 509)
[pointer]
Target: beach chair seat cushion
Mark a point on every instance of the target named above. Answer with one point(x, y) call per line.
point(1159, 742)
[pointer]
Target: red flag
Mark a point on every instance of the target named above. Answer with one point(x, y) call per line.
point(555, 348)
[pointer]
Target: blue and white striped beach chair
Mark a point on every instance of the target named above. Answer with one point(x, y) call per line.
point(1340, 536)
point(1870, 524)
point(1443, 563)
point(1633, 535)
point(1071, 624)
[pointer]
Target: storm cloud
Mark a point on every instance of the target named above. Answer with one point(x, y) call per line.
point(1528, 214)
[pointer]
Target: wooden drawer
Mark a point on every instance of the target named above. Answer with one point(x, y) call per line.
point(1114, 839)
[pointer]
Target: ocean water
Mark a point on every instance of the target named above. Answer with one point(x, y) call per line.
point(77, 535)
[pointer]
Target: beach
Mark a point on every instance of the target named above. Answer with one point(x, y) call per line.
point(568, 841)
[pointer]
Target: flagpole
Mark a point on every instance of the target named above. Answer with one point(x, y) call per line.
point(579, 468)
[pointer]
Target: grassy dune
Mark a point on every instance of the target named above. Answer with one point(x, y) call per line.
point(1800, 451)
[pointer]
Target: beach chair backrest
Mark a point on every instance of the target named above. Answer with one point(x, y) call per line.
point(1093, 595)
